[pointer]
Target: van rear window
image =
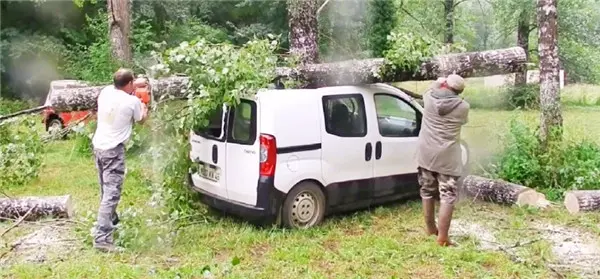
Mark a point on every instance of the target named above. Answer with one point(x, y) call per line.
point(214, 129)
point(241, 124)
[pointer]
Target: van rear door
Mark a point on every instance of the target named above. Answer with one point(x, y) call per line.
point(208, 151)
point(243, 152)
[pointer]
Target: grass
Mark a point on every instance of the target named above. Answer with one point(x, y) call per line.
point(485, 130)
point(382, 242)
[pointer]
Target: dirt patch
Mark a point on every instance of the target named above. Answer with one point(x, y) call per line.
point(50, 242)
point(259, 250)
point(574, 250)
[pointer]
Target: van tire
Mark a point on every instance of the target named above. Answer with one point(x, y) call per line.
point(304, 206)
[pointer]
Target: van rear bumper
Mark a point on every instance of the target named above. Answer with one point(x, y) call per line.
point(269, 201)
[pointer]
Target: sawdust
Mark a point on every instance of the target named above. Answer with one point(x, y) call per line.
point(48, 243)
point(486, 238)
point(575, 251)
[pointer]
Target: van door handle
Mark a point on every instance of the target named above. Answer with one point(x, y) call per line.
point(215, 154)
point(377, 150)
point(368, 151)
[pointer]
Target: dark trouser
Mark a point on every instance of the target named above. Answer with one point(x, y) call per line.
point(111, 172)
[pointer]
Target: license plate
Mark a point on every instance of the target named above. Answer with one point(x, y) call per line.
point(209, 172)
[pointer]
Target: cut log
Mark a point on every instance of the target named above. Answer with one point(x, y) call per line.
point(54, 206)
point(353, 72)
point(582, 200)
point(502, 192)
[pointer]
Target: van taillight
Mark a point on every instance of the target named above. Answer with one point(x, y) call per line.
point(268, 155)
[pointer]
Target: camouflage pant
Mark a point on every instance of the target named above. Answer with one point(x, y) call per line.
point(438, 186)
point(111, 172)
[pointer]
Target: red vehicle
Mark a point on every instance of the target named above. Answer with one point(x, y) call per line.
point(55, 121)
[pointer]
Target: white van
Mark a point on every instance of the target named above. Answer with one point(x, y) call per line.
point(294, 155)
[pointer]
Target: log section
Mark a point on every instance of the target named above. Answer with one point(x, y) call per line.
point(502, 192)
point(53, 206)
point(582, 200)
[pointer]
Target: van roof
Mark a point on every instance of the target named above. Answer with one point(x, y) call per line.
point(329, 90)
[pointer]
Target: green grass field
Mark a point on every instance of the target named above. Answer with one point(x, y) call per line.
point(383, 242)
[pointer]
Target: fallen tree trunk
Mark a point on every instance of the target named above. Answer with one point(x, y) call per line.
point(502, 192)
point(78, 99)
point(353, 72)
point(582, 200)
point(35, 208)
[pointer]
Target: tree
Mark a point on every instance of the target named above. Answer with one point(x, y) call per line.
point(449, 16)
point(523, 30)
point(382, 21)
point(119, 23)
point(449, 9)
point(517, 16)
point(551, 117)
point(579, 34)
point(303, 28)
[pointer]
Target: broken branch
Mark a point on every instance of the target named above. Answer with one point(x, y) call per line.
point(18, 222)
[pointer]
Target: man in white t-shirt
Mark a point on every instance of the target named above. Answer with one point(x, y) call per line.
point(117, 111)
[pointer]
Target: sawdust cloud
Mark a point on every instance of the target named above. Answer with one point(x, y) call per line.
point(29, 71)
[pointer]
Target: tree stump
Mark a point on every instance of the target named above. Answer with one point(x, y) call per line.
point(582, 200)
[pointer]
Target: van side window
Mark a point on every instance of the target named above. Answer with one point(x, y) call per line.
point(395, 117)
point(345, 115)
point(242, 123)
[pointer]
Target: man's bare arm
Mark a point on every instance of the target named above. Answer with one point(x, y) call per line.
point(144, 114)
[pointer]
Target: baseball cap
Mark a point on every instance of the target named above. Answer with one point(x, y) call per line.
point(456, 82)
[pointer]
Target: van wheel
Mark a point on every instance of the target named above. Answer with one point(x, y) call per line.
point(304, 206)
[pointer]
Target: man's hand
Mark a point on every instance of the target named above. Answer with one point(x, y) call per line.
point(144, 113)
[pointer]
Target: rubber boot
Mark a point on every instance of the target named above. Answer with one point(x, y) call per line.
point(444, 220)
point(429, 214)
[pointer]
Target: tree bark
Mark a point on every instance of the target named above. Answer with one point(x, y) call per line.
point(449, 16)
point(77, 99)
point(55, 206)
point(119, 23)
point(303, 37)
point(523, 30)
point(502, 192)
point(353, 72)
point(551, 116)
point(582, 200)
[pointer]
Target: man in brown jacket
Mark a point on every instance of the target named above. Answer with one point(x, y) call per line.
point(439, 152)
